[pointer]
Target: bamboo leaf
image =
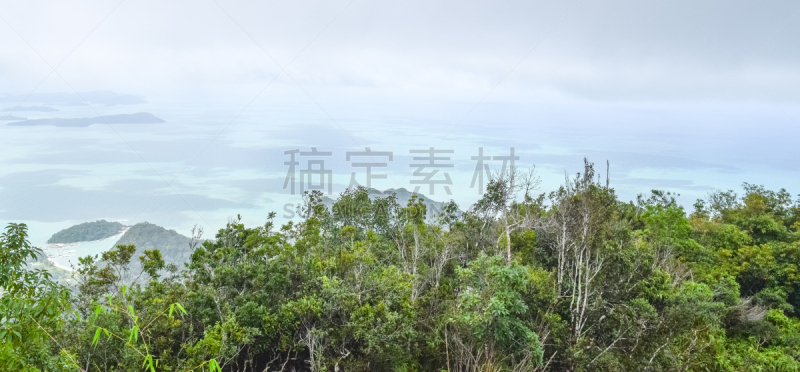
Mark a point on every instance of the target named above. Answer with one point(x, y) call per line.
point(214, 366)
point(134, 334)
point(96, 337)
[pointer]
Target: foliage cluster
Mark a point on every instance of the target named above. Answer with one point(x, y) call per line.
point(571, 280)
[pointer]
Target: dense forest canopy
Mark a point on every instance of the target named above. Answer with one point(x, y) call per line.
point(86, 232)
point(570, 280)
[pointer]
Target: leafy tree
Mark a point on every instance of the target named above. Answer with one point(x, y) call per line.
point(33, 307)
point(488, 322)
point(570, 280)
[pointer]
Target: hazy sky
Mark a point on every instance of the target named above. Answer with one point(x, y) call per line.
point(688, 96)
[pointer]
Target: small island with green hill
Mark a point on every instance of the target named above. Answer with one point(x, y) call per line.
point(87, 231)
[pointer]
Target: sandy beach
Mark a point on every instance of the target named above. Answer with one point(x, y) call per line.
point(57, 265)
point(61, 257)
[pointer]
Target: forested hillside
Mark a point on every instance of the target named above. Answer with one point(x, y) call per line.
point(87, 231)
point(573, 279)
point(174, 247)
point(402, 196)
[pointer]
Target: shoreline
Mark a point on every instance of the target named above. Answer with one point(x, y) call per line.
point(52, 261)
point(61, 246)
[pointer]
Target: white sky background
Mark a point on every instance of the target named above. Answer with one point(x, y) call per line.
point(687, 96)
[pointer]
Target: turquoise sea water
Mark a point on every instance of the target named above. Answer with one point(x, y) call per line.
point(66, 255)
point(208, 163)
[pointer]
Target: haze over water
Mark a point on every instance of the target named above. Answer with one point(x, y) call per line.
point(675, 97)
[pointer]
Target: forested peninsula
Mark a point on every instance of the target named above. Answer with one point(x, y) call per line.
point(86, 232)
point(572, 279)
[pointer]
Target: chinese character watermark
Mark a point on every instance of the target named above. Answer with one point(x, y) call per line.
point(482, 169)
point(369, 165)
point(313, 168)
point(432, 163)
point(430, 169)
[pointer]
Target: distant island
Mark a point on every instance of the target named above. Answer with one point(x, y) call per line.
point(31, 108)
point(11, 118)
point(87, 231)
point(101, 97)
point(137, 118)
